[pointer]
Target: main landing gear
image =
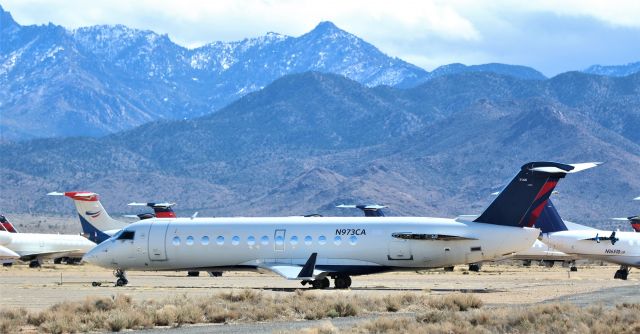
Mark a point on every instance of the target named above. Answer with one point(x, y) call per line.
point(122, 280)
point(622, 273)
point(339, 282)
point(35, 264)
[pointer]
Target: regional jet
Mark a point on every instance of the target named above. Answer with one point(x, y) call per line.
point(34, 247)
point(622, 248)
point(312, 249)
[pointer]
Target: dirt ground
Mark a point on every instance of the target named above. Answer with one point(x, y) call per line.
point(35, 289)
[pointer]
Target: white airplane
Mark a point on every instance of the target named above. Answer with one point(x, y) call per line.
point(34, 247)
point(622, 248)
point(312, 249)
point(96, 223)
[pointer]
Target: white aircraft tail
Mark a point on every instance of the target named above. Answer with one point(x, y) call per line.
point(96, 222)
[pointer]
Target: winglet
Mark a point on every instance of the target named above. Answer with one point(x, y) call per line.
point(309, 267)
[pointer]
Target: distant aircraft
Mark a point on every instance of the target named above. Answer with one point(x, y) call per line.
point(160, 210)
point(5, 225)
point(312, 249)
point(622, 248)
point(34, 247)
point(369, 210)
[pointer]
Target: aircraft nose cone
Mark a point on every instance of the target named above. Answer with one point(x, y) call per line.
point(95, 256)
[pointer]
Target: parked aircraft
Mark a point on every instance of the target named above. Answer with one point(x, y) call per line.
point(622, 248)
point(312, 249)
point(97, 225)
point(34, 247)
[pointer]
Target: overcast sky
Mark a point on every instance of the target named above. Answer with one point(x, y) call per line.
point(552, 36)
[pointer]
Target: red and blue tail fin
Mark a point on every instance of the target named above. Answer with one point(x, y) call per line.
point(635, 223)
point(6, 225)
point(523, 200)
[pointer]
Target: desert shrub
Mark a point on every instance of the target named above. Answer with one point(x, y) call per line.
point(166, 316)
point(456, 302)
point(245, 295)
point(189, 314)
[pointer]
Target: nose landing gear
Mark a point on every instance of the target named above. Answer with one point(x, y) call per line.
point(122, 280)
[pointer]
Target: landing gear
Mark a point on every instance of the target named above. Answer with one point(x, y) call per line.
point(475, 267)
point(342, 282)
point(57, 260)
point(9, 264)
point(122, 280)
point(193, 273)
point(449, 268)
point(35, 264)
point(526, 263)
point(622, 273)
point(215, 273)
point(547, 263)
point(318, 283)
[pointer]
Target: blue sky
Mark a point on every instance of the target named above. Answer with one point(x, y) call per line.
point(551, 36)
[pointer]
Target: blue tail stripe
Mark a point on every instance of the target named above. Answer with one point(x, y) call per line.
point(91, 232)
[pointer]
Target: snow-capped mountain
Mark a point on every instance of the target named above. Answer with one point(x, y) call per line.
point(614, 70)
point(102, 79)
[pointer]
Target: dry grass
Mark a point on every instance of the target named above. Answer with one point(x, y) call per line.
point(455, 313)
point(546, 318)
point(120, 313)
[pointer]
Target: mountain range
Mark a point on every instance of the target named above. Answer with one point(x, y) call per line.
point(98, 80)
point(310, 141)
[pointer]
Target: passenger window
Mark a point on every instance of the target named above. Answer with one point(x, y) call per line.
point(279, 240)
point(176, 241)
point(308, 240)
point(204, 240)
point(294, 240)
point(353, 240)
point(220, 240)
point(235, 240)
point(337, 240)
point(264, 240)
point(127, 235)
point(189, 241)
point(251, 240)
point(322, 240)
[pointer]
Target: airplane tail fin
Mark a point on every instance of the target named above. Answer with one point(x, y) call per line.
point(160, 210)
point(635, 223)
point(94, 218)
point(550, 220)
point(523, 200)
point(6, 225)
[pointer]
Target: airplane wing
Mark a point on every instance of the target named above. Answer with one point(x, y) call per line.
point(294, 271)
point(28, 256)
point(429, 237)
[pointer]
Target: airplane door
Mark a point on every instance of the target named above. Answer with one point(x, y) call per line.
point(400, 250)
point(157, 243)
point(278, 238)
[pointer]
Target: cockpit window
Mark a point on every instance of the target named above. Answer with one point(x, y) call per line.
point(127, 235)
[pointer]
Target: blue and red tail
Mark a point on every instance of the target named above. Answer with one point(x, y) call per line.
point(5, 225)
point(523, 200)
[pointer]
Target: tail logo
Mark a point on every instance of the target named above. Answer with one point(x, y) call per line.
point(93, 214)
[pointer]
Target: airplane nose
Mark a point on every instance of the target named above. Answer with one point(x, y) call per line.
point(95, 256)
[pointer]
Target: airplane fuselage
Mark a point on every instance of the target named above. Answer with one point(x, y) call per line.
point(41, 245)
point(625, 251)
point(354, 245)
